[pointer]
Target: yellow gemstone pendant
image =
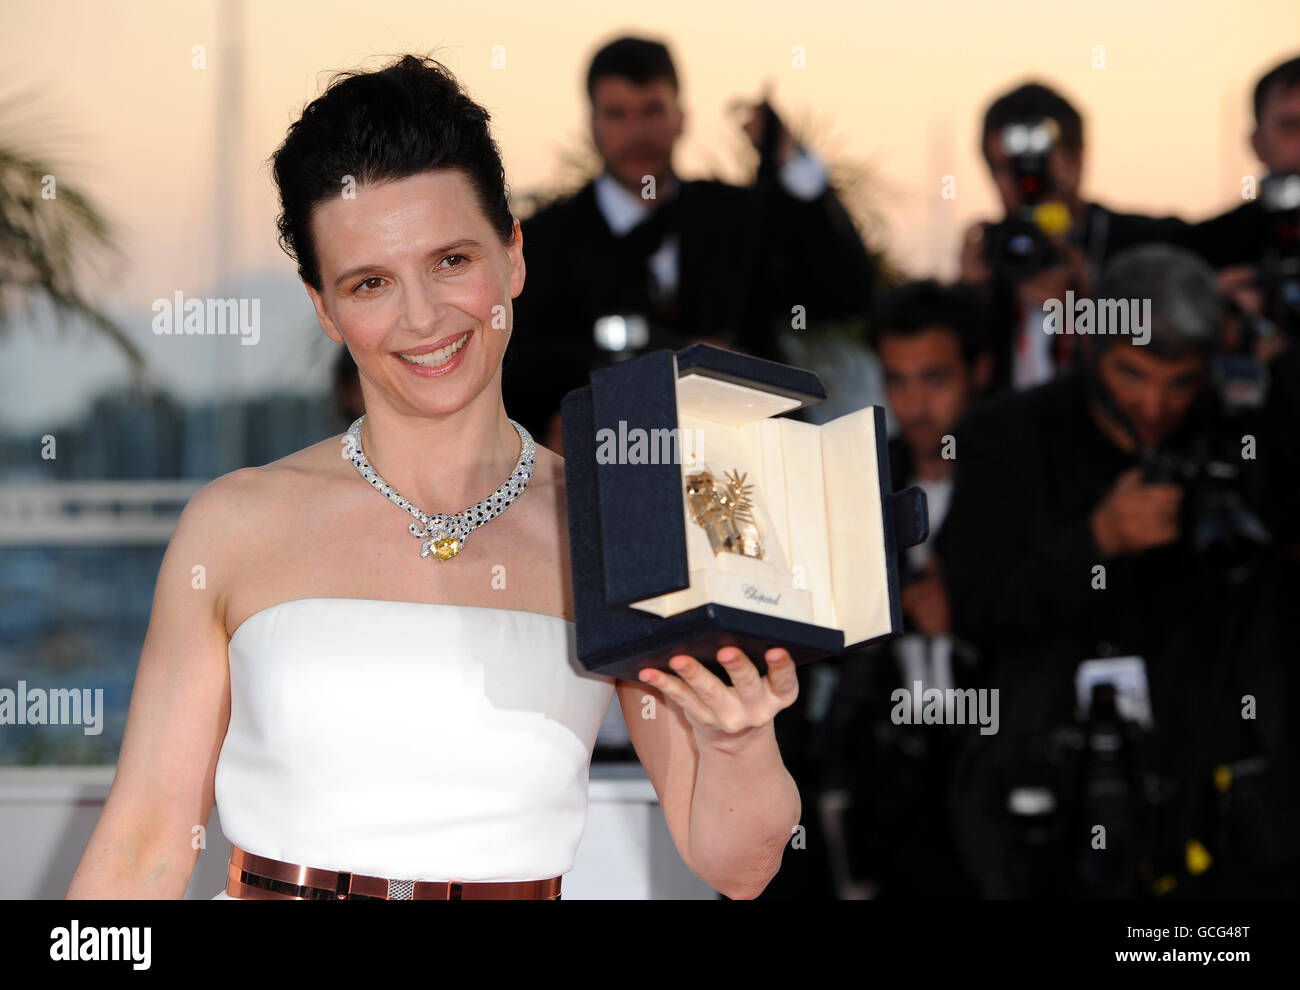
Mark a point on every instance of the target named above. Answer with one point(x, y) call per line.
point(446, 547)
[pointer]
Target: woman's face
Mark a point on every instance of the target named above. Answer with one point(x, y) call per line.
point(419, 286)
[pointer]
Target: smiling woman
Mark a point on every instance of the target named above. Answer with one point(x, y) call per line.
point(470, 779)
point(408, 301)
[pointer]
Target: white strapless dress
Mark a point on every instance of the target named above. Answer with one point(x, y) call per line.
point(409, 740)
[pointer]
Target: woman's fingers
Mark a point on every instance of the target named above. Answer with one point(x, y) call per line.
point(782, 676)
point(751, 699)
point(676, 689)
point(745, 678)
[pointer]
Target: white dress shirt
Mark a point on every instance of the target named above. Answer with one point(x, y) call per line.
point(927, 659)
point(804, 177)
point(1032, 359)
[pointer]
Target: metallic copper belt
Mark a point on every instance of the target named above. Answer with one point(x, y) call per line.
point(258, 878)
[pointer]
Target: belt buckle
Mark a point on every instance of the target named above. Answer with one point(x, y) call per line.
point(403, 890)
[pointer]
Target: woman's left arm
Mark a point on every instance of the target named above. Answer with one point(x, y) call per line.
point(730, 802)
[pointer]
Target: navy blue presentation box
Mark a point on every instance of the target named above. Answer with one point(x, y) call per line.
point(833, 525)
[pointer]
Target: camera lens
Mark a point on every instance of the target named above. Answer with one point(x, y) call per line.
point(1020, 246)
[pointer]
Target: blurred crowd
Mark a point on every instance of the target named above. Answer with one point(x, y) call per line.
point(1102, 411)
point(1103, 415)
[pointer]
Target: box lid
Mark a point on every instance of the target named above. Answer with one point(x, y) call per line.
point(643, 543)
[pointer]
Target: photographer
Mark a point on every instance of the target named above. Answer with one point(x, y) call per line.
point(884, 786)
point(640, 259)
point(1256, 246)
point(1114, 517)
point(1050, 240)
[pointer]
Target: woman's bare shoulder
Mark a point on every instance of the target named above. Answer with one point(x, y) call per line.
point(242, 500)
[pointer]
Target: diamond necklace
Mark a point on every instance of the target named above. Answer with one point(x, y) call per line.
point(445, 535)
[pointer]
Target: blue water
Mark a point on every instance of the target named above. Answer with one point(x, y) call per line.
point(73, 617)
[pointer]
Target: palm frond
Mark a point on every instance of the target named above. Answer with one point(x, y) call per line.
point(52, 236)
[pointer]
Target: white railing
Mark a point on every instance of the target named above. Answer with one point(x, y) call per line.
point(61, 513)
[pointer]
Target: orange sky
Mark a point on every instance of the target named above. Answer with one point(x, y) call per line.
point(898, 86)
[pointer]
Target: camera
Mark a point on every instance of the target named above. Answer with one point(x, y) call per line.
point(1020, 245)
point(1214, 516)
point(1083, 783)
point(620, 336)
point(1207, 458)
point(1279, 270)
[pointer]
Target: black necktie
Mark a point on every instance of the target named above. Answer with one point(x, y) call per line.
point(632, 256)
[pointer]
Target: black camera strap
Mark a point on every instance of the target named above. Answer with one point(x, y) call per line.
point(1097, 237)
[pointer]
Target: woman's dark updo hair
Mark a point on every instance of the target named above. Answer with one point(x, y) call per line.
point(404, 119)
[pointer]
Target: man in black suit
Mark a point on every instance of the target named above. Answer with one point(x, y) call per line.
point(640, 259)
point(1238, 236)
point(1253, 244)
